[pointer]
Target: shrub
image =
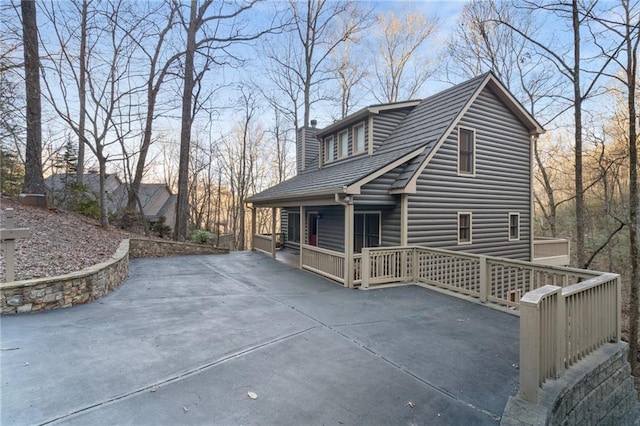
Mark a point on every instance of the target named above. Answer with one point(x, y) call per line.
point(201, 237)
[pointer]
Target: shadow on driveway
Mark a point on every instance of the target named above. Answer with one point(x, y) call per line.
point(185, 339)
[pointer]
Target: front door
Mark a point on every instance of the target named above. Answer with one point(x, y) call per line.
point(313, 229)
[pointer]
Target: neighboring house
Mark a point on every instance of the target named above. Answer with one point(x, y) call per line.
point(452, 171)
point(157, 200)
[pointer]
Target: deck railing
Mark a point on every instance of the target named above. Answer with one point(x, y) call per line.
point(551, 251)
point(325, 262)
point(565, 313)
point(493, 279)
point(262, 242)
point(563, 325)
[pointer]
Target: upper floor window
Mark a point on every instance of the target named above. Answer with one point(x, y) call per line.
point(343, 144)
point(466, 152)
point(514, 226)
point(464, 228)
point(329, 149)
point(358, 138)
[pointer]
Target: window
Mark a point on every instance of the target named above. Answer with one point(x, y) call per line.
point(293, 227)
point(464, 228)
point(329, 149)
point(514, 226)
point(366, 231)
point(343, 144)
point(358, 138)
point(466, 152)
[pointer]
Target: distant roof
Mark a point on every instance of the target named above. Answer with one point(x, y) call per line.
point(412, 142)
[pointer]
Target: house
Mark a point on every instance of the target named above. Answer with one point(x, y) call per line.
point(158, 203)
point(452, 171)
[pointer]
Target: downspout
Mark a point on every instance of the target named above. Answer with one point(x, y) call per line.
point(534, 137)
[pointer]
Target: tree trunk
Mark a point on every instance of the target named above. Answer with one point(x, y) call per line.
point(82, 93)
point(580, 213)
point(33, 179)
point(182, 205)
point(634, 198)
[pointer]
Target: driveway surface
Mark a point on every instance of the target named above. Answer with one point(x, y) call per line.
point(185, 339)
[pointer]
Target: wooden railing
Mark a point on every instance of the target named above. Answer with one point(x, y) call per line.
point(565, 313)
point(493, 279)
point(357, 269)
point(262, 242)
point(551, 251)
point(563, 325)
point(325, 262)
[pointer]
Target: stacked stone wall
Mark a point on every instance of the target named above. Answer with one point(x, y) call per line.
point(159, 248)
point(66, 290)
point(599, 390)
point(91, 283)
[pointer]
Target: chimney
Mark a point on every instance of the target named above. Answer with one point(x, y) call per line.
point(306, 147)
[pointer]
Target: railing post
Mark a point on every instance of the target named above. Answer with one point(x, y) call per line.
point(485, 281)
point(415, 267)
point(618, 308)
point(273, 231)
point(561, 333)
point(365, 264)
point(529, 351)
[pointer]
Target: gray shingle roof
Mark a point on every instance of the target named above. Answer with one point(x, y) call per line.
point(424, 126)
point(333, 177)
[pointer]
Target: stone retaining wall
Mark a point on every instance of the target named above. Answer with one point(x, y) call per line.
point(91, 283)
point(597, 390)
point(157, 248)
point(66, 290)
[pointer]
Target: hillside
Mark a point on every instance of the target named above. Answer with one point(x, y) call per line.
point(59, 242)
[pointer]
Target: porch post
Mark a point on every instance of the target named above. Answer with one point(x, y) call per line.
point(273, 231)
point(348, 244)
point(404, 220)
point(303, 234)
point(253, 227)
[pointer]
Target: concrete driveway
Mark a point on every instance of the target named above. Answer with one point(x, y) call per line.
point(185, 339)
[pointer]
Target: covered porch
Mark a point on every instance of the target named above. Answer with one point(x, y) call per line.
point(323, 236)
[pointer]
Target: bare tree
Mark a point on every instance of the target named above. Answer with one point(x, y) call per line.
point(399, 71)
point(303, 65)
point(111, 93)
point(33, 179)
point(625, 27)
point(207, 31)
point(350, 71)
point(571, 66)
point(157, 73)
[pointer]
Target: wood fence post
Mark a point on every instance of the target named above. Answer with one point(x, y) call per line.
point(8, 237)
point(485, 281)
point(365, 264)
point(529, 351)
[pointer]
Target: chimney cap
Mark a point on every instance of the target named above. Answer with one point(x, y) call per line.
point(314, 123)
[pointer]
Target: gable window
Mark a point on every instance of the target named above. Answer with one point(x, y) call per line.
point(358, 138)
point(514, 226)
point(366, 231)
point(329, 149)
point(293, 227)
point(343, 144)
point(466, 152)
point(464, 228)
